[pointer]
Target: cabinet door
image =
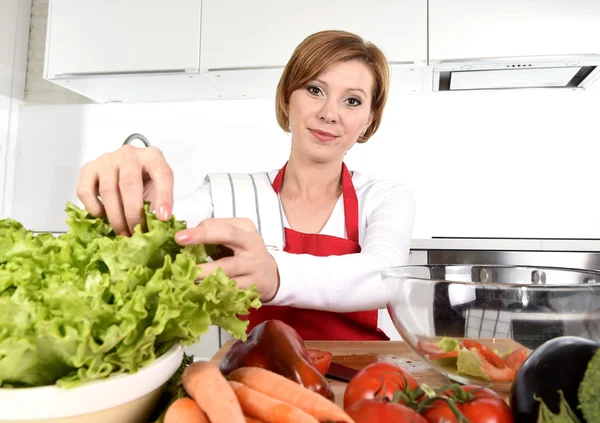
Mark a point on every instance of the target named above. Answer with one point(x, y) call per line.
point(462, 29)
point(264, 33)
point(116, 36)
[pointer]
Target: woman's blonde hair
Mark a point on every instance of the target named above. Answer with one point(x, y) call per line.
point(318, 51)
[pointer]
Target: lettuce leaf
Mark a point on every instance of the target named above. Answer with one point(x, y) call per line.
point(469, 364)
point(89, 304)
point(449, 344)
point(589, 388)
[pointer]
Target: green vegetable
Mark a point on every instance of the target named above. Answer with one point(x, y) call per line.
point(589, 390)
point(449, 344)
point(565, 414)
point(470, 365)
point(89, 304)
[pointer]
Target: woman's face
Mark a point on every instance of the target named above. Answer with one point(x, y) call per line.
point(329, 113)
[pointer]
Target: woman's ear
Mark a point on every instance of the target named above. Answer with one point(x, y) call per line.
point(369, 122)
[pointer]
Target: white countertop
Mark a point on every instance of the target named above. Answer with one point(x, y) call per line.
point(592, 245)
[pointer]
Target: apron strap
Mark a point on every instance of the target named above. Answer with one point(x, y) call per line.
point(350, 205)
point(251, 196)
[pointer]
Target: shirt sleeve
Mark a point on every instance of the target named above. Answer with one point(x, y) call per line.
point(195, 206)
point(352, 282)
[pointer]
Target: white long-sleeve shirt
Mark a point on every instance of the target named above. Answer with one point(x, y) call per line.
point(345, 283)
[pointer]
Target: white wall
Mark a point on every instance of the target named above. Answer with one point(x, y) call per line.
point(491, 164)
point(14, 30)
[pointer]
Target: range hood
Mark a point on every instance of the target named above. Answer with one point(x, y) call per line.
point(506, 73)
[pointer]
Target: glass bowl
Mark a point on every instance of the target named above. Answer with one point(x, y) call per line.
point(503, 308)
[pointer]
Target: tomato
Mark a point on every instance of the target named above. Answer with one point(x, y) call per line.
point(496, 374)
point(429, 347)
point(379, 379)
point(489, 355)
point(321, 359)
point(515, 359)
point(374, 411)
point(485, 406)
point(439, 356)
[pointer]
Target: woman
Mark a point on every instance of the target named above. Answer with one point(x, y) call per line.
point(312, 236)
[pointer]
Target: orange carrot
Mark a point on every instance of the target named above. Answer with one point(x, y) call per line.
point(185, 410)
point(251, 420)
point(288, 391)
point(267, 409)
point(204, 382)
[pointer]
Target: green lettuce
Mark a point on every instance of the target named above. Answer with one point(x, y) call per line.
point(449, 344)
point(469, 364)
point(589, 388)
point(89, 304)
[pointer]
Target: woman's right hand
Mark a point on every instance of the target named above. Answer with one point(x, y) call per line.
point(123, 180)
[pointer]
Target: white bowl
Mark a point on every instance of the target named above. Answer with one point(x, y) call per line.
point(124, 398)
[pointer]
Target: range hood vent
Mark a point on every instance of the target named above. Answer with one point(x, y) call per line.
point(575, 72)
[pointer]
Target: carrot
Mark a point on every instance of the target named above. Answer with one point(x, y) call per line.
point(288, 391)
point(251, 420)
point(204, 382)
point(267, 409)
point(185, 410)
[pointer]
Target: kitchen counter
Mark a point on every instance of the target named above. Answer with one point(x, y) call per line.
point(358, 354)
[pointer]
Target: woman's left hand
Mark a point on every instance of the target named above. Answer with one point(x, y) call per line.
point(250, 264)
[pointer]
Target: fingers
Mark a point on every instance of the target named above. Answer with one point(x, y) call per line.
point(125, 179)
point(87, 191)
point(131, 187)
point(235, 268)
point(232, 266)
point(228, 232)
point(111, 198)
point(233, 233)
point(164, 181)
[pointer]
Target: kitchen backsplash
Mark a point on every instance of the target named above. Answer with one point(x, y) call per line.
point(492, 164)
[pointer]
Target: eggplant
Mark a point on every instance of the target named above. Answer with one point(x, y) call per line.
point(557, 365)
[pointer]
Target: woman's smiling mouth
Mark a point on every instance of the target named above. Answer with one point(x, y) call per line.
point(322, 135)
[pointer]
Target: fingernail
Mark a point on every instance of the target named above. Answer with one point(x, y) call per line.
point(183, 237)
point(163, 212)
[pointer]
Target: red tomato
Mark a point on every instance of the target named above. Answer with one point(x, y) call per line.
point(374, 411)
point(485, 406)
point(321, 359)
point(439, 356)
point(429, 347)
point(496, 374)
point(489, 355)
point(515, 359)
point(379, 379)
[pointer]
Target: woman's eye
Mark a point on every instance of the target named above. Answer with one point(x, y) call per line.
point(314, 90)
point(354, 102)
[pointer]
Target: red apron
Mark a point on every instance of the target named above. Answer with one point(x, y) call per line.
point(316, 324)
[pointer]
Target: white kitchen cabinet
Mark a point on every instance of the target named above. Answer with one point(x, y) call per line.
point(461, 29)
point(185, 50)
point(264, 33)
point(115, 36)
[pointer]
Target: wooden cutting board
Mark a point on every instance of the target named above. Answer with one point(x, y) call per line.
point(358, 354)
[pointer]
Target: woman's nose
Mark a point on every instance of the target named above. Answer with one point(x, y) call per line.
point(329, 113)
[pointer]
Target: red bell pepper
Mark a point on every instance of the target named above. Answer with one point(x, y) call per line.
point(276, 346)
